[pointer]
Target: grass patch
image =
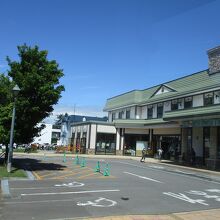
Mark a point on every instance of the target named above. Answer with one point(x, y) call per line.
point(14, 173)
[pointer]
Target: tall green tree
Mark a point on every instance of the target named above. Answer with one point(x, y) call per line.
point(5, 108)
point(38, 79)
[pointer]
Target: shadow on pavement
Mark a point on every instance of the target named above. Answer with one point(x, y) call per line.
point(33, 164)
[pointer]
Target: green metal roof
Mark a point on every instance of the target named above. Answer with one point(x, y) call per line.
point(182, 86)
point(192, 112)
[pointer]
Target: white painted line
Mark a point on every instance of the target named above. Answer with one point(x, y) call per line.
point(183, 197)
point(156, 167)
point(180, 171)
point(143, 177)
point(67, 193)
point(73, 184)
point(175, 174)
point(100, 202)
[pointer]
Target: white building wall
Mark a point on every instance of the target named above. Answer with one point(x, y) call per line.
point(45, 135)
point(197, 100)
point(106, 129)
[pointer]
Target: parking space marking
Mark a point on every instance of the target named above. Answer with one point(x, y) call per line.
point(100, 202)
point(70, 174)
point(90, 174)
point(143, 177)
point(36, 175)
point(68, 193)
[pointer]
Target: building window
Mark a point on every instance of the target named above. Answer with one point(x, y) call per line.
point(128, 112)
point(188, 102)
point(113, 116)
point(208, 98)
point(174, 105)
point(160, 110)
point(120, 115)
point(150, 112)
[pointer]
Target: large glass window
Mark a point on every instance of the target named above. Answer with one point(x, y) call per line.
point(105, 143)
point(208, 98)
point(174, 105)
point(120, 115)
point(83, 143)
point(128, 112)
point(113, 116)
point(150, 112)
point(188, 102)
point(160, 110)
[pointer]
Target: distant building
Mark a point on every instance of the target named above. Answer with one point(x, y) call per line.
point(69, 120)
point(49, 135)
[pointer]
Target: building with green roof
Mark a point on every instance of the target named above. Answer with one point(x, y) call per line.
point(181, 116)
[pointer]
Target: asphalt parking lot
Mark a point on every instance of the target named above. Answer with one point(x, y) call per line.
point(66, 190)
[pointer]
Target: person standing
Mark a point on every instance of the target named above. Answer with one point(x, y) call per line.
point(143, 155)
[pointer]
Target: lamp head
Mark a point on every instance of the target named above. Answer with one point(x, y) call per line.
point(16, 90)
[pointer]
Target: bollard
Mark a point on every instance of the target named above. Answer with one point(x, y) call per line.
point(44, 158)
point(64, 157)
point(83, 162)
point(106, 170)
point(97, 168)
point(77, 159)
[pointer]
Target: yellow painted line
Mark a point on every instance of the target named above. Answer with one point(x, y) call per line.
point(70, 174)
point(36, 175)
point(106, 177)
point(90, 174)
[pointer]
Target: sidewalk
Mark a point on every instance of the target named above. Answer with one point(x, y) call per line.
point(196, 215)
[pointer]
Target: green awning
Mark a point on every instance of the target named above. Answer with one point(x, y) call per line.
point(138, 122)
point(195, 112)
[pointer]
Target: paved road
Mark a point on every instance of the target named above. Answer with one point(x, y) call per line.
point(65, 190)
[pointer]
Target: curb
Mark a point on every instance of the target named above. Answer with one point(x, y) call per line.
point(30, 175)
point(5, 188)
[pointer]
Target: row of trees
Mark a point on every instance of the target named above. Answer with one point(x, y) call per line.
point(38, 79)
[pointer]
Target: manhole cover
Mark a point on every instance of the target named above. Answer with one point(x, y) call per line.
point(124, 198)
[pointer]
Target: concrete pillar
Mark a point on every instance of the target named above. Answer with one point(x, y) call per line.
point(118, 139)
point(213, 143)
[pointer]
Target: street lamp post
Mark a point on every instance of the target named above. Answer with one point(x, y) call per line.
point(15, 92)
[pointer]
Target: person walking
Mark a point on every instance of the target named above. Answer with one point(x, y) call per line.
point(160, 152)
point(143, 155)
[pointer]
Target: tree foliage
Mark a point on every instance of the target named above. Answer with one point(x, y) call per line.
point(38, 79)
point(5, 108)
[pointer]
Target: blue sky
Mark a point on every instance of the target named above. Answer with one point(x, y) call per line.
point(108, 47)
